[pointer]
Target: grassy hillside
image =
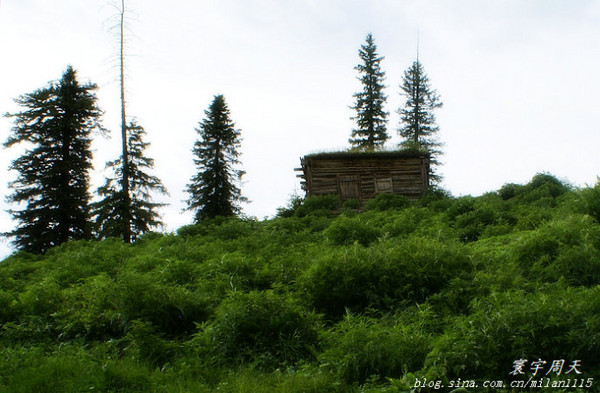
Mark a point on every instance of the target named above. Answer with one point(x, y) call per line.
point(443, 292)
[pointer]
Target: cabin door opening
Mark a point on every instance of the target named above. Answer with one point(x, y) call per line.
point(349, 188)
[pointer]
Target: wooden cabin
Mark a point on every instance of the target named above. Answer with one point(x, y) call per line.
point(364, 175)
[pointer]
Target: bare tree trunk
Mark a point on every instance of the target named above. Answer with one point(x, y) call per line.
point(125, 154)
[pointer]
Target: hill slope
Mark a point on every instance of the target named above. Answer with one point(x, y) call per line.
point(443, 293)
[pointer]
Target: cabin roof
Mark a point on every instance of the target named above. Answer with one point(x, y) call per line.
point(364, 155)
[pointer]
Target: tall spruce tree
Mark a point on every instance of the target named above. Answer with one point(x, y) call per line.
point(131, 213)
point(52, 184)
point(418, 126)
point(371, 119)
point(213, 190)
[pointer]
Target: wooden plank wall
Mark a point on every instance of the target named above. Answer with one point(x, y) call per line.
point(339, 176)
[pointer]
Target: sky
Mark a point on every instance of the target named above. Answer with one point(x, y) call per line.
point(518, 79)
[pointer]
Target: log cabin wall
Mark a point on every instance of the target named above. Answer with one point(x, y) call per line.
point(363, 176)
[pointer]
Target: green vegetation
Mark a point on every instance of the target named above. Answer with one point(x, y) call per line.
point(214, 189)
point(128, 215)
point(51, 194)
point(321, 299)
point(52, 187)
point(371, 118)
point(418, 126)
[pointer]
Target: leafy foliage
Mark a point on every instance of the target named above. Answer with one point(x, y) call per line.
point(387, 201)
point(318, 206)
point(321, 300)
point(504, 327)
point(361, 347)
point(381, 277)
point(345, 231)
point(261, 326)
point(589, 201)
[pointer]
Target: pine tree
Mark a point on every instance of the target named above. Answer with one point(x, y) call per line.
point(371, 119)
point(418, 126)
point(131, 214)
point(52, 184)
point(213, 190)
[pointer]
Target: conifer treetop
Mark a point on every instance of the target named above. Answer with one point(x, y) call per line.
point(418, 126)
point(371, 118)
point(214, 190)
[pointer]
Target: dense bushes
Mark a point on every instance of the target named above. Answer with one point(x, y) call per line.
point(566, 250)
point(383, 277)
point(543, 189)
point(321, 298)
point(345, 231)
point(588, 201)
point(318, 206)
point(263, 327)
point(386, 201)
point(558, 323)
point(361, 348)
point(103, 308)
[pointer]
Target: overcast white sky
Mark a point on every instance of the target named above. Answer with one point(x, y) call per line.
point(519, 81)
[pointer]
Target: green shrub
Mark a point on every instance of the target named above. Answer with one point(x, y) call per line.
point(532, 217)
point(553, 323)
point(172, 309)
point(226, 228)
point(436, 199)
point(387, 201)
point(306, 378)
point(561, 250)
point(382, 277)
point(180, 272)
point(510, 190)
point(236, 272)
point(94, 310)
point(542, 190)
point(485, 216)
point(149, 237)
point(318, 206)
point(142, 342)
point(344, 231)
point(462, 205)
point(234, 228)
point(265, 327)
point(103, 307)
point(294, 203)
point(471, 225)
point(352, 204)
point(589, 201)
point(126, 376)
point(41, 299)
point(316, 224)
point(199, 229)
point(361, 349)
point(406, 221)
point(43, 373)
point(6, 303)
point(542, 186)
point(552, 185)
point(343, 280)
